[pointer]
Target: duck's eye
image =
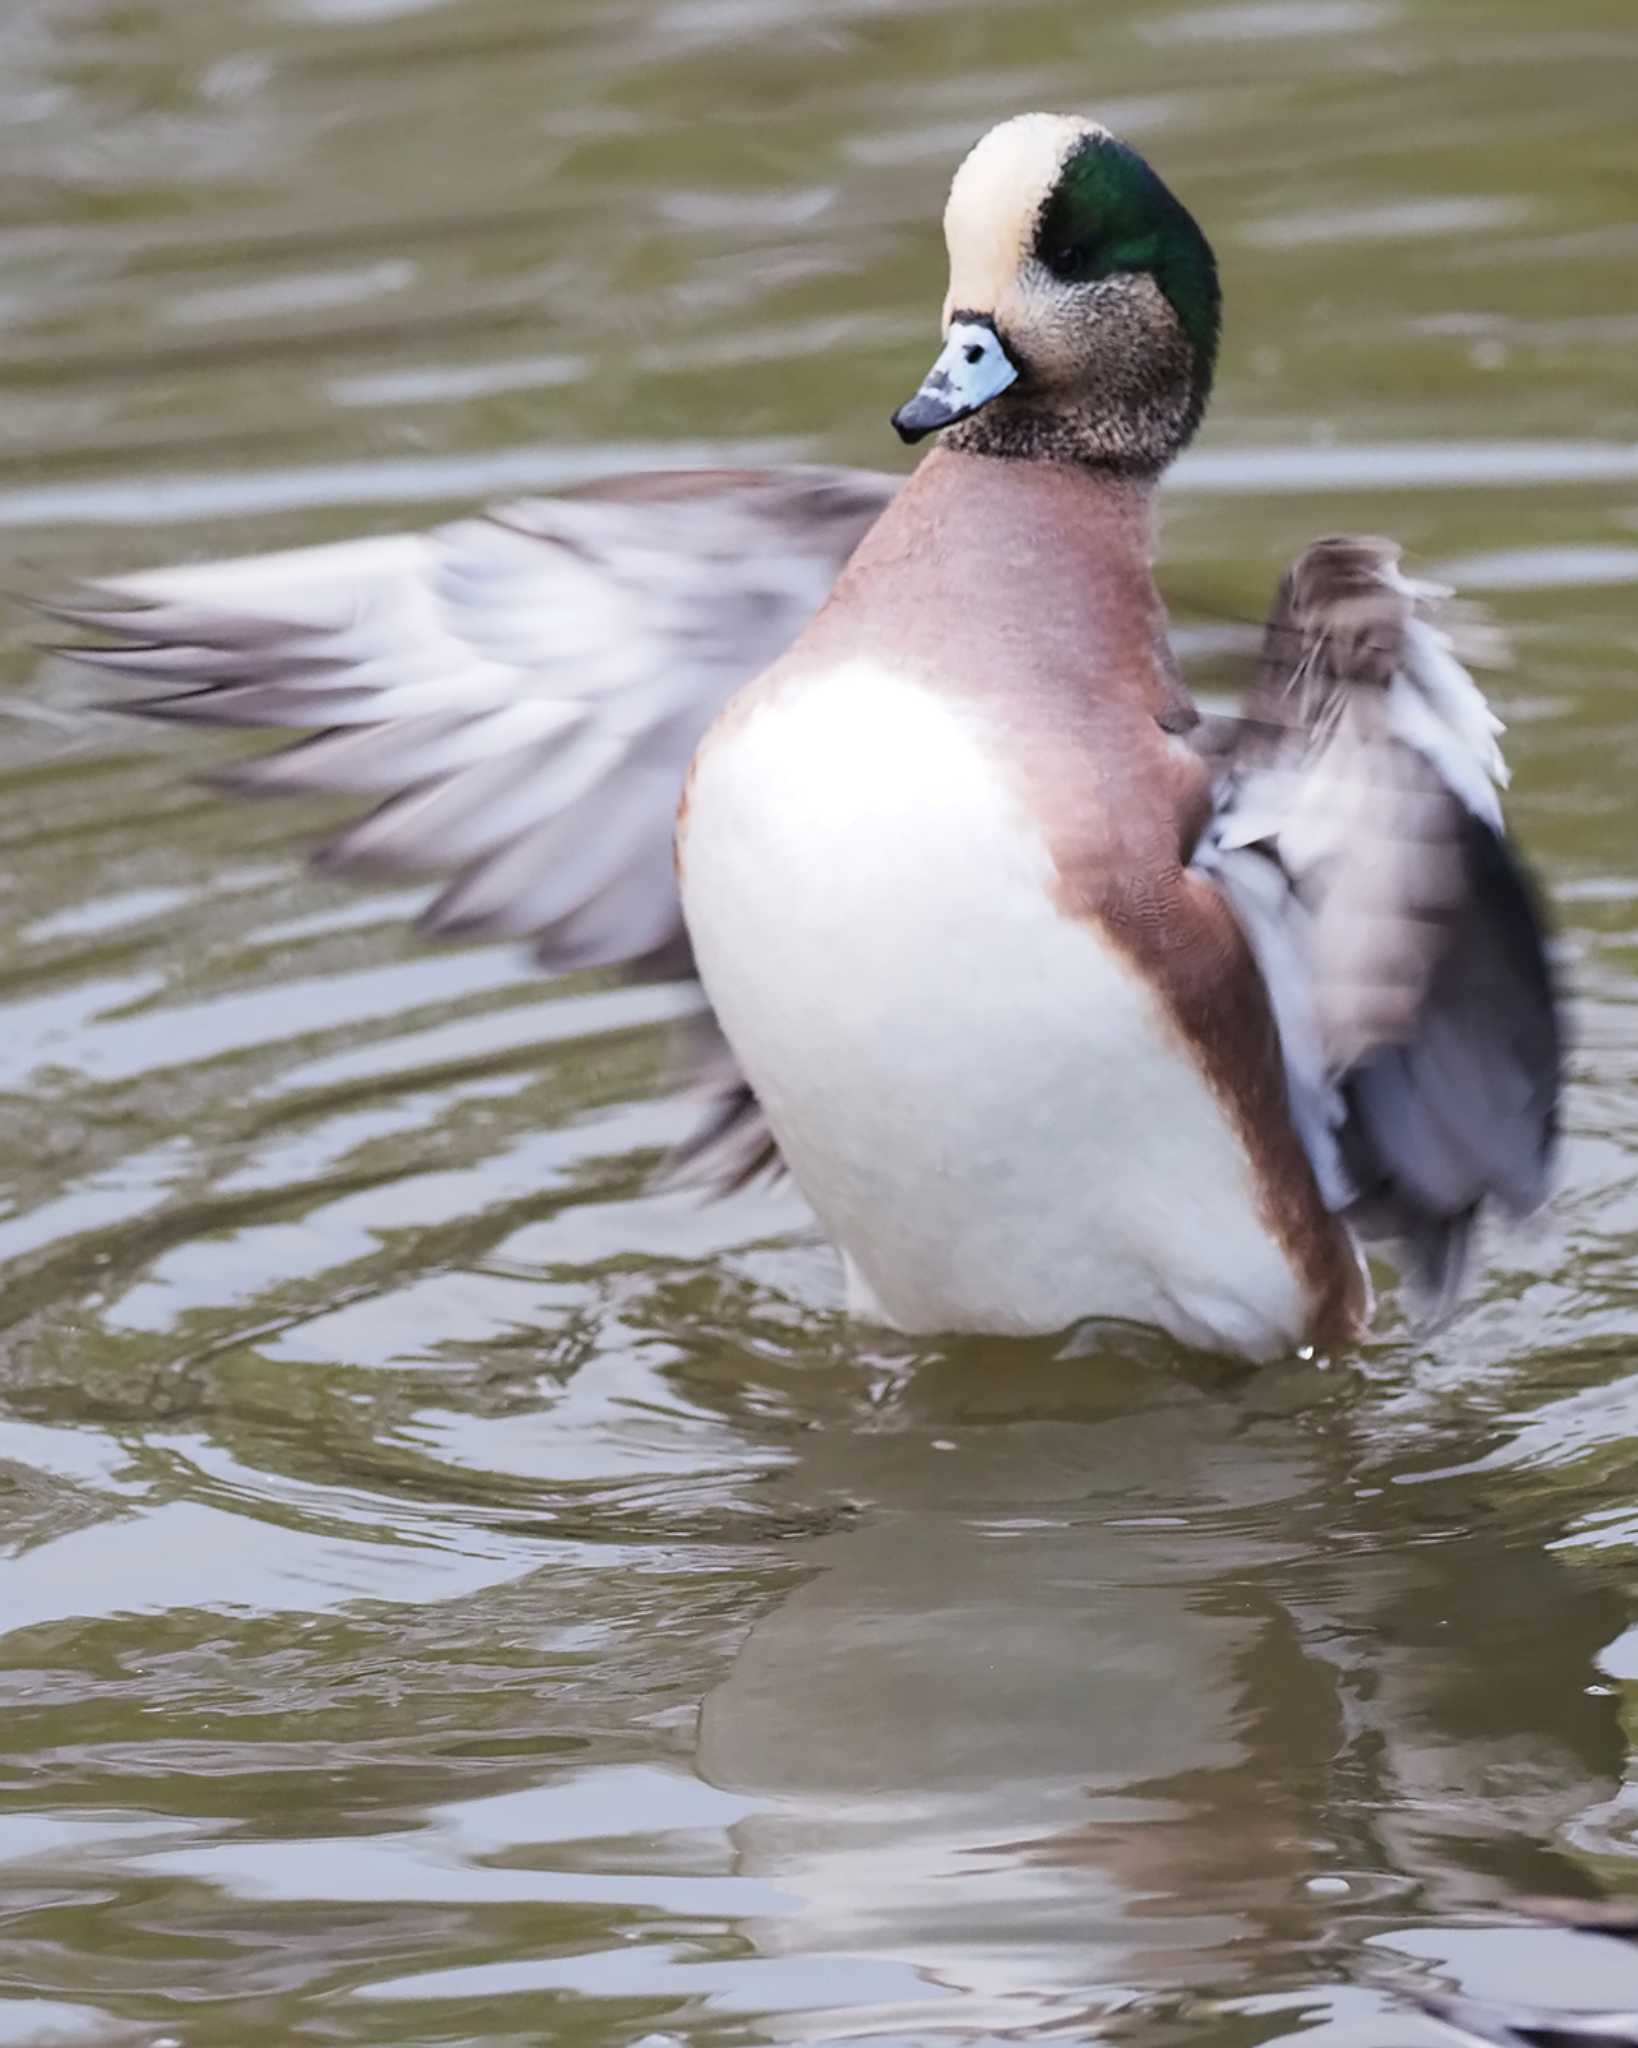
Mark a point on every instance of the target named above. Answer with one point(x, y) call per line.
point(1074, 262)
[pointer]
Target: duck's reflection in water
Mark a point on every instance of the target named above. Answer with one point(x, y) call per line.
point(1136, 1700)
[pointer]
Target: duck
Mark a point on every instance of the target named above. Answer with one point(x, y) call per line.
point(1060, 1001)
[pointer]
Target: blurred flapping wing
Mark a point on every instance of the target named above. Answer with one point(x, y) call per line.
point(1357, 832)
point(517, 697)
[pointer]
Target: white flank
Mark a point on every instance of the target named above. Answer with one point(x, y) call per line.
point(982, 1101)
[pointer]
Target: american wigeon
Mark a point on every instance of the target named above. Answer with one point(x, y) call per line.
point(1057, 1000)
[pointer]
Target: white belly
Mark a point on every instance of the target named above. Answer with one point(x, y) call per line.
point(979, 1097)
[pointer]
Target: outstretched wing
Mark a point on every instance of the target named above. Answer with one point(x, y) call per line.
point(516, 696)
point(1357, 832)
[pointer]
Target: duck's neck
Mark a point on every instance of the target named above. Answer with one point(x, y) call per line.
point(1125, 442)
point(986, 571)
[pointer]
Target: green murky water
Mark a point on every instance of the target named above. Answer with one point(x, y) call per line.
point(450, 1595)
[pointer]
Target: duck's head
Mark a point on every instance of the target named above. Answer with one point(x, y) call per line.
point(1082, 317)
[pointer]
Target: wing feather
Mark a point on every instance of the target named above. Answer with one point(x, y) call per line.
point(518, 695)
point(1403, 942)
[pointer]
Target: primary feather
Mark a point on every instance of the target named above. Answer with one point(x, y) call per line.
point(1357, 833)
point(519, 694)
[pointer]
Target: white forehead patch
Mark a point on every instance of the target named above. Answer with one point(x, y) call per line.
point(995, 199)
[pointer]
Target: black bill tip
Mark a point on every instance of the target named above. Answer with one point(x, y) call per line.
point(922, 415)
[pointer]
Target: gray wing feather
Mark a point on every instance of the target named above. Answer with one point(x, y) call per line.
point(518, 694)
point(1357, 833)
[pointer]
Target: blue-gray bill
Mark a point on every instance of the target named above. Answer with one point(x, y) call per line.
point(972, 368)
